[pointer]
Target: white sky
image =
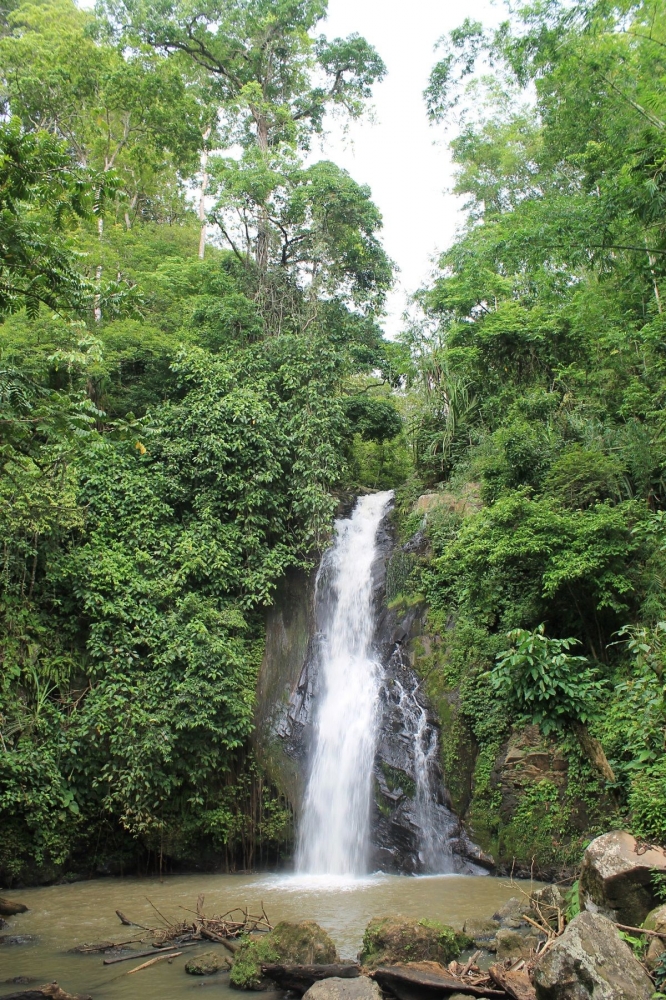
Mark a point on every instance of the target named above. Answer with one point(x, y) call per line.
point(403, 158)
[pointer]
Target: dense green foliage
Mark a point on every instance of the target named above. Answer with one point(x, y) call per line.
point(193, 372)
point(174, 427)
point(536, 412)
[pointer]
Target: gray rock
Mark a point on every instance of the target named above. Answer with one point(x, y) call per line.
point(590, 961)
point(361, 988)
point(17, 938)
point(656, 921)
point(510, 943)
point(616, 877)
point(205, 965)
point(482, 932)
point(511, 914)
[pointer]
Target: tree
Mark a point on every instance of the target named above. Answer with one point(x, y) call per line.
point(260, 59)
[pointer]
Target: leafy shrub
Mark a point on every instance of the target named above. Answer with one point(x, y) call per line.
point(544, 681)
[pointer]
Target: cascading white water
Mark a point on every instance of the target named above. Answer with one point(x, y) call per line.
point(334, 830)
point(435, 822)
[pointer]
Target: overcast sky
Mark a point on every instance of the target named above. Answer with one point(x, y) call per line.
point(401, 156)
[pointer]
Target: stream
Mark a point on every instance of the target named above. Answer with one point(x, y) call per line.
point(62, 916)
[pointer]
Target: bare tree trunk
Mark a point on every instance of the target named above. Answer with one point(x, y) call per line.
point(97, 302)
point(593, 750)
point(654, 279)
point(262, 222)
point(202, 194)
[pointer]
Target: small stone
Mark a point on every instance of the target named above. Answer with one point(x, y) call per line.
point(511, 914)
point(510, 943)
point(205, 965)
point(616, 877)
point(590, 961)
point(361, 988)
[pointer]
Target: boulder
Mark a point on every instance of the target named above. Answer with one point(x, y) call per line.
point(305, 943)
point(482, 932)
point(590, 961)
point(206, 964)
point(616, 877)
point(10, 907)
point(335, 988)
point(391, 940)
point(656, 921)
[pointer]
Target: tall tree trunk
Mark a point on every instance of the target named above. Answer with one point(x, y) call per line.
point(202, 194)
point(262, 222)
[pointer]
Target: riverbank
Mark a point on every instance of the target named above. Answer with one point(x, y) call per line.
point(63, 916)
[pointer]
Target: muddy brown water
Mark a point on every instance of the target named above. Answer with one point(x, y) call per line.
point(62, 916)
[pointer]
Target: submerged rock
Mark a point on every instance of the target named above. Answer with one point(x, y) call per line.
point(16, 939)
point(305, 943)
point(360, 988)
point(590, 961)
point(390, 940)
point(616, 877)
point(205, 965)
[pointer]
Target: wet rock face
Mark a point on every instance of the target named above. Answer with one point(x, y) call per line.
point(286, 701)
point(591, 962)
point(617, 877)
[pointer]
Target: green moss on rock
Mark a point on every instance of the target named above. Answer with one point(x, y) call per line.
point(388, 940)
point(305, 943)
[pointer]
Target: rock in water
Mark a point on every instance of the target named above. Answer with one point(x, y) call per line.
point(206, 964)
point(590, 961)
point(616, 877)
point(9, 907)
point(388, 940)
point(360, 988)
point(305, 943)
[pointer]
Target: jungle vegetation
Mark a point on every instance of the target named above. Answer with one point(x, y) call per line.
point(193, 373)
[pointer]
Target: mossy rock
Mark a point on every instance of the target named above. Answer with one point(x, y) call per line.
point(388, 940)
point(205, 965)
point(305, 943)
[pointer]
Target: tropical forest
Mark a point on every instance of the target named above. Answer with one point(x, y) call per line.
point(286, 587)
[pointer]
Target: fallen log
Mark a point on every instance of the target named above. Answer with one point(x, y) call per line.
point(9, 907)
point(126, 922)
point(158, 958)
point(300, 978)
point(50, 990)
point(233, 946)
point(90, 949)
point(516, 983)
point(142, 954)
point(409, 984)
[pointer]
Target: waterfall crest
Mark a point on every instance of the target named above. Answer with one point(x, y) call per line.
point(334, 830)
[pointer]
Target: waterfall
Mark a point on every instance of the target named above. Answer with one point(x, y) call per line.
point(334, 830)
point(437, 825)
